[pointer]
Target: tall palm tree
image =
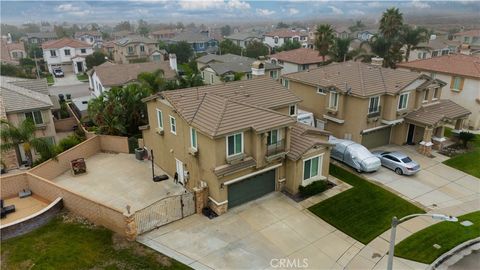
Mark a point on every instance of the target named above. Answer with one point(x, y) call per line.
point(340, 49)
point(384, 48)
point(154, 81)
point(24, 134)
point(412, 37)
point(324, 40)
point(391, 23)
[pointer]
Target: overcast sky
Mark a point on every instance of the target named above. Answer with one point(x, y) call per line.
point(215, 10)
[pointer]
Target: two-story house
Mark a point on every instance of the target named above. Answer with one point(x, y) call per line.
point(39, 38)
point(470, 41)
point(67, 53)
point(239, 139)
point(107, 75)
point(436, 46)
point(375, 106)
point(134, 49)
point(163, 34)
point(200, 43)
point(93, 38)
point(26, 99)
point(297, 60)
point(242, 39)
point(462, 75)
point(217, 69)
point(12, 52)
point(277, 38)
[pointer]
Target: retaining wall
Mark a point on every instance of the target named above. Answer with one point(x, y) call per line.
point(12, 184)
point(63, 125)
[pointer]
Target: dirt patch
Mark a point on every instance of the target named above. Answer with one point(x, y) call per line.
point(120, 243)
point(70, 218)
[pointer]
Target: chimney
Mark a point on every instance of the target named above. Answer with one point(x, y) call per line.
point(433, 37)
point(173, 61)
point(377, 61)
point(258, 68)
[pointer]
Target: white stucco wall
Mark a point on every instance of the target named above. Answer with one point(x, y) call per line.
point(97, 85)
point(61, 58)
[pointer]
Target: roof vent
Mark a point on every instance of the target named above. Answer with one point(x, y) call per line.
point(377, 61)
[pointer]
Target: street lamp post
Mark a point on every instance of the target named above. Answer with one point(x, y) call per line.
point(396, 222)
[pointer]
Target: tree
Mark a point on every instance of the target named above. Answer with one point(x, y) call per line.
point(95, 59)
point(289, 45)
point(120, 111)
point(123, 26)
point(12, 136)
point(191, 75)
point(226, 30)
point(389, 50)
point(256, 49)
point(282, 25)
point(412, 37)
point(324, 39)
point(391, 23)
point(179, 25)
point(466, 137)
point(359, 25)
point(227, 46)
point(154, 81)
point(143, 28)
point(60, 31)
point(34, 51)
point(183, 50)
point(340, 49)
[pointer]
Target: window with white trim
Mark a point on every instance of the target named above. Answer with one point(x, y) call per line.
point(273, 136)
point(173, 125)
point(321, 90)
point(273, 74)
point(234, 144)
point(286, 83)
point(403, 101)
point(312, 167)
point(374, 105)
point(333, 101)
point(67, 52)
point(53, 53)
point(425, 95)
point(456, 83)
point(436, 93)
point(159, 119)
point(35, 117)
point(292, 110)
point(193, 138)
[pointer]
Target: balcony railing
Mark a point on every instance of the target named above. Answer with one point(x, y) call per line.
point(374, 112)
point(276, 148)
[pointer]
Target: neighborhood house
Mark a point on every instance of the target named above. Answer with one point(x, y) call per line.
point(297, 60)
point(277, 38)
point(135, 49)
point(67, 53)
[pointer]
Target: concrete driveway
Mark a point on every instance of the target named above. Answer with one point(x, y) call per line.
point(76, 90)
point(68, 79)
point(437, 186)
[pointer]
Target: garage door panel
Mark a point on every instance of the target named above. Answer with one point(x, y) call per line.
point(251, 188)
point(376, 138)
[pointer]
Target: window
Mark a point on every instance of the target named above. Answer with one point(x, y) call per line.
point(159, 119)
point(275, 39)
point(295, 39)
point(466, 39)
point(303, 38)
point(445, 52)
point(193, 138)
point(312, 167)
point(173, 125)
point(211, 78)
point(130, 49)
point(249, 76)
point(321, 90)
point(66, 51)
point(403, 101)
point(156, 58)
point(235, 144)
point(425, 95)
point(434, 53)
point(83, 50)
point(333, 101)
point(203, 75)
point(374, 105)
point(292, 110)
point(433, 75)
point(436, 93)
point(35, 116)
point(201, 45)
point(53, 53)
point(273, 74)
point(272, 137)
point(457, 83)
point(304, 67)
point(286, 83)
point(142, 48)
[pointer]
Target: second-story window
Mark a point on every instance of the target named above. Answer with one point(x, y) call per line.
point(273, 74)
point(130, 49)
point(272, 137)
point(35, 117)
point(403, 101)
point(425, 95)
point(286, 83)
point(66, 51)
point(333, 101)
point(321, 90)
point(83, 50)
point(53, 53)
point(275, 39)
point(292, 110)
point(436, 93)
point(374, 105)
point(235, 144)
point(193, 138)
point(159, 119)
point(142, 48)
point(456, 83)
point(173, 125)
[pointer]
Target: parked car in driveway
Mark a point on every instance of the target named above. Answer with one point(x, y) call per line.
point(58, 72)
point(354, 155)
point(398, 162)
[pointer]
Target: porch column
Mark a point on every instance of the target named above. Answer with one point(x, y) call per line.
point(458, 125)
point(425, 147)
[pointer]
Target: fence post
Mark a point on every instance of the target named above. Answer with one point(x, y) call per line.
point(130, 226)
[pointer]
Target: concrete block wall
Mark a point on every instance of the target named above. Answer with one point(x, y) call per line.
point(10, 185)
point(117, 144)
point(63, 125)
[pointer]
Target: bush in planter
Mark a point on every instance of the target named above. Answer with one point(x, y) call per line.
point(313, 188)
point(466, 137)
point(67, 143)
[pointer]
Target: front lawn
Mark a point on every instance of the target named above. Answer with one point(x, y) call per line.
point(364, 211)
point(50, 80)
point(469, 161)
point(419, 246)
point(77, 245)
point(82, 77)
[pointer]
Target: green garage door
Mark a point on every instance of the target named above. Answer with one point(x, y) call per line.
point(251, 188)
point(376, 137)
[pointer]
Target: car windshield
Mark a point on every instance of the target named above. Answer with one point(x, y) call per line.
point(406, 159)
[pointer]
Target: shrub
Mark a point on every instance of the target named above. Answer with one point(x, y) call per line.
point(466, 137)
point(313, 188)
point(68, 142)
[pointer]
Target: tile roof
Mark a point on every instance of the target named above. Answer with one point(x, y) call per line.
point(134, 39)
point(17, 99)
point(363, 79)
point(222, 64)
point(244, 35)
point(89, 33)
point(433, 113)
point(190, 37)
point(299, 56)
point(42, 35)
point(228, 169)
point(440, 43)
point(471, 33)
point(456, 64)
point(285, 33)
point(111, 74)
point(37, 85)
point(7, 48)
point(65, 42)
point(305, 137)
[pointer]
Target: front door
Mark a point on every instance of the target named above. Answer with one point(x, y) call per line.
point(80, 67)
point(411, 131)
point(179, 166)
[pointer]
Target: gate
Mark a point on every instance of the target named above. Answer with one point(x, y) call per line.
point(164, 211)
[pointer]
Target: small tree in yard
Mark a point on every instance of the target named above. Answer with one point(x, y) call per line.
point(227, 46)
point(95, 59)
point(182, 50)
point(465, 138)
point(256, 49)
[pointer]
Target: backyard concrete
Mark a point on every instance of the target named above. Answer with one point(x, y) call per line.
point(118, 180)
point(24, 207)
point(78, 89)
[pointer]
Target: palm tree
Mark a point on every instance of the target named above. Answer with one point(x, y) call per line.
point(391, 23)
point(412, 37)
point(324, 40)
point(154, 81)
point(340, 49)
point(24, 134)
point(191, 76)
point(384, 48)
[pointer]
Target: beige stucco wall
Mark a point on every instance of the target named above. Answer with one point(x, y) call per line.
point(120, 52)
point(11, 185)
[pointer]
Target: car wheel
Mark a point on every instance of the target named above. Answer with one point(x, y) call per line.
point(398, 171)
